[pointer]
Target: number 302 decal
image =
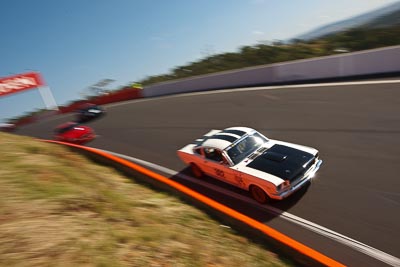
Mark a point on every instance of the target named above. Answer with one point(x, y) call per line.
point(219, 173)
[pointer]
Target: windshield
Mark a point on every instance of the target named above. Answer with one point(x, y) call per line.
point(64, 129)
point(245, 147)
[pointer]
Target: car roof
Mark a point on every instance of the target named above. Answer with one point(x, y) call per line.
point(67, 124)
point(223, 139)
point(86, 105)
point(216, 143)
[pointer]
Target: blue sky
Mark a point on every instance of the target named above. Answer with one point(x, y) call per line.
point(76, 43)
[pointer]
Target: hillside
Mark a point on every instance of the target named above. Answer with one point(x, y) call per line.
point(352, 40)
point(384, 17)
point(389, 20)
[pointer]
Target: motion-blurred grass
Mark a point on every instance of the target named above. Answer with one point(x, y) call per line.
point(58, 208)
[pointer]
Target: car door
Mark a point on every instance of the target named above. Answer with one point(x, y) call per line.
point(216, 166)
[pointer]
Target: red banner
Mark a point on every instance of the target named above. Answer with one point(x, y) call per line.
point(20, 82)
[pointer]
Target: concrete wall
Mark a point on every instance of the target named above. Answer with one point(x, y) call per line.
point(376, 61)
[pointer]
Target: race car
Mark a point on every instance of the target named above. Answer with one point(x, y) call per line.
point(75, 133)
point(243, 157)
point(7, 127)
point(88, 112)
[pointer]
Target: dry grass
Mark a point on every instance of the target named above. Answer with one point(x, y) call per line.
point(59, 209)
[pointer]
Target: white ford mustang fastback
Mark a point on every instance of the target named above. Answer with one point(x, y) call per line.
point(247, 159)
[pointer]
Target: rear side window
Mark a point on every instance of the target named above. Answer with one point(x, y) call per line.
point(64, 129)
point(213, 154)
point(197, 151)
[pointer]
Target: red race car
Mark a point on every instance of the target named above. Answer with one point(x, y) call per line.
point(72, 132)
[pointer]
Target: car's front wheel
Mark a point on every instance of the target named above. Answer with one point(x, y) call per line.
point(259, 194)
point(197, 172)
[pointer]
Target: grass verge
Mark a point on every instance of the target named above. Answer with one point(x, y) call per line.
point(58, 208)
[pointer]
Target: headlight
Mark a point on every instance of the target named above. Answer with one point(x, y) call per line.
point(283, 185)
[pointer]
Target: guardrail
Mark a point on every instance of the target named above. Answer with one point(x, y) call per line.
point(364, 63)
point(258, 231)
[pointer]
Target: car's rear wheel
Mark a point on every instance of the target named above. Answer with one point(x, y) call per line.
point(197, 172)
point(259, 194)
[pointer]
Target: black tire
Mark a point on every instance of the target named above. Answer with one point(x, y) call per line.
point(258, 194)
point(196, 171)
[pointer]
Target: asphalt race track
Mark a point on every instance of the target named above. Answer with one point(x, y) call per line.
point(356, 128)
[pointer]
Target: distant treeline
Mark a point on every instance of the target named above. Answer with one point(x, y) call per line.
point(348, 41)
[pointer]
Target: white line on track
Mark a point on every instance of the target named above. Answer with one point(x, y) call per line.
point(347, 241)
point(248, 89)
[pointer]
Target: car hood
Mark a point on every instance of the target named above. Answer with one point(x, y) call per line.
point(283, 161)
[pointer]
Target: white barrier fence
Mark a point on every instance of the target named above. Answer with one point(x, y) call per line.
point(369, 62)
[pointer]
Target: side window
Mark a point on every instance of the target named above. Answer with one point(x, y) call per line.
point(213, 154)
point(197, 151)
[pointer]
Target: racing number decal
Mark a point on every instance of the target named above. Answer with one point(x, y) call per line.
point(219, 173)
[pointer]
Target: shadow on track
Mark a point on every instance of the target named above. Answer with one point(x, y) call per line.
point(236, 198)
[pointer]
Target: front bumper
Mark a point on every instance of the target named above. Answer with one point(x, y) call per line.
point(303, 181)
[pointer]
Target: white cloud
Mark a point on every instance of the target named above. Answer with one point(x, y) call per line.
point(324, 17)
point(257, 32)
